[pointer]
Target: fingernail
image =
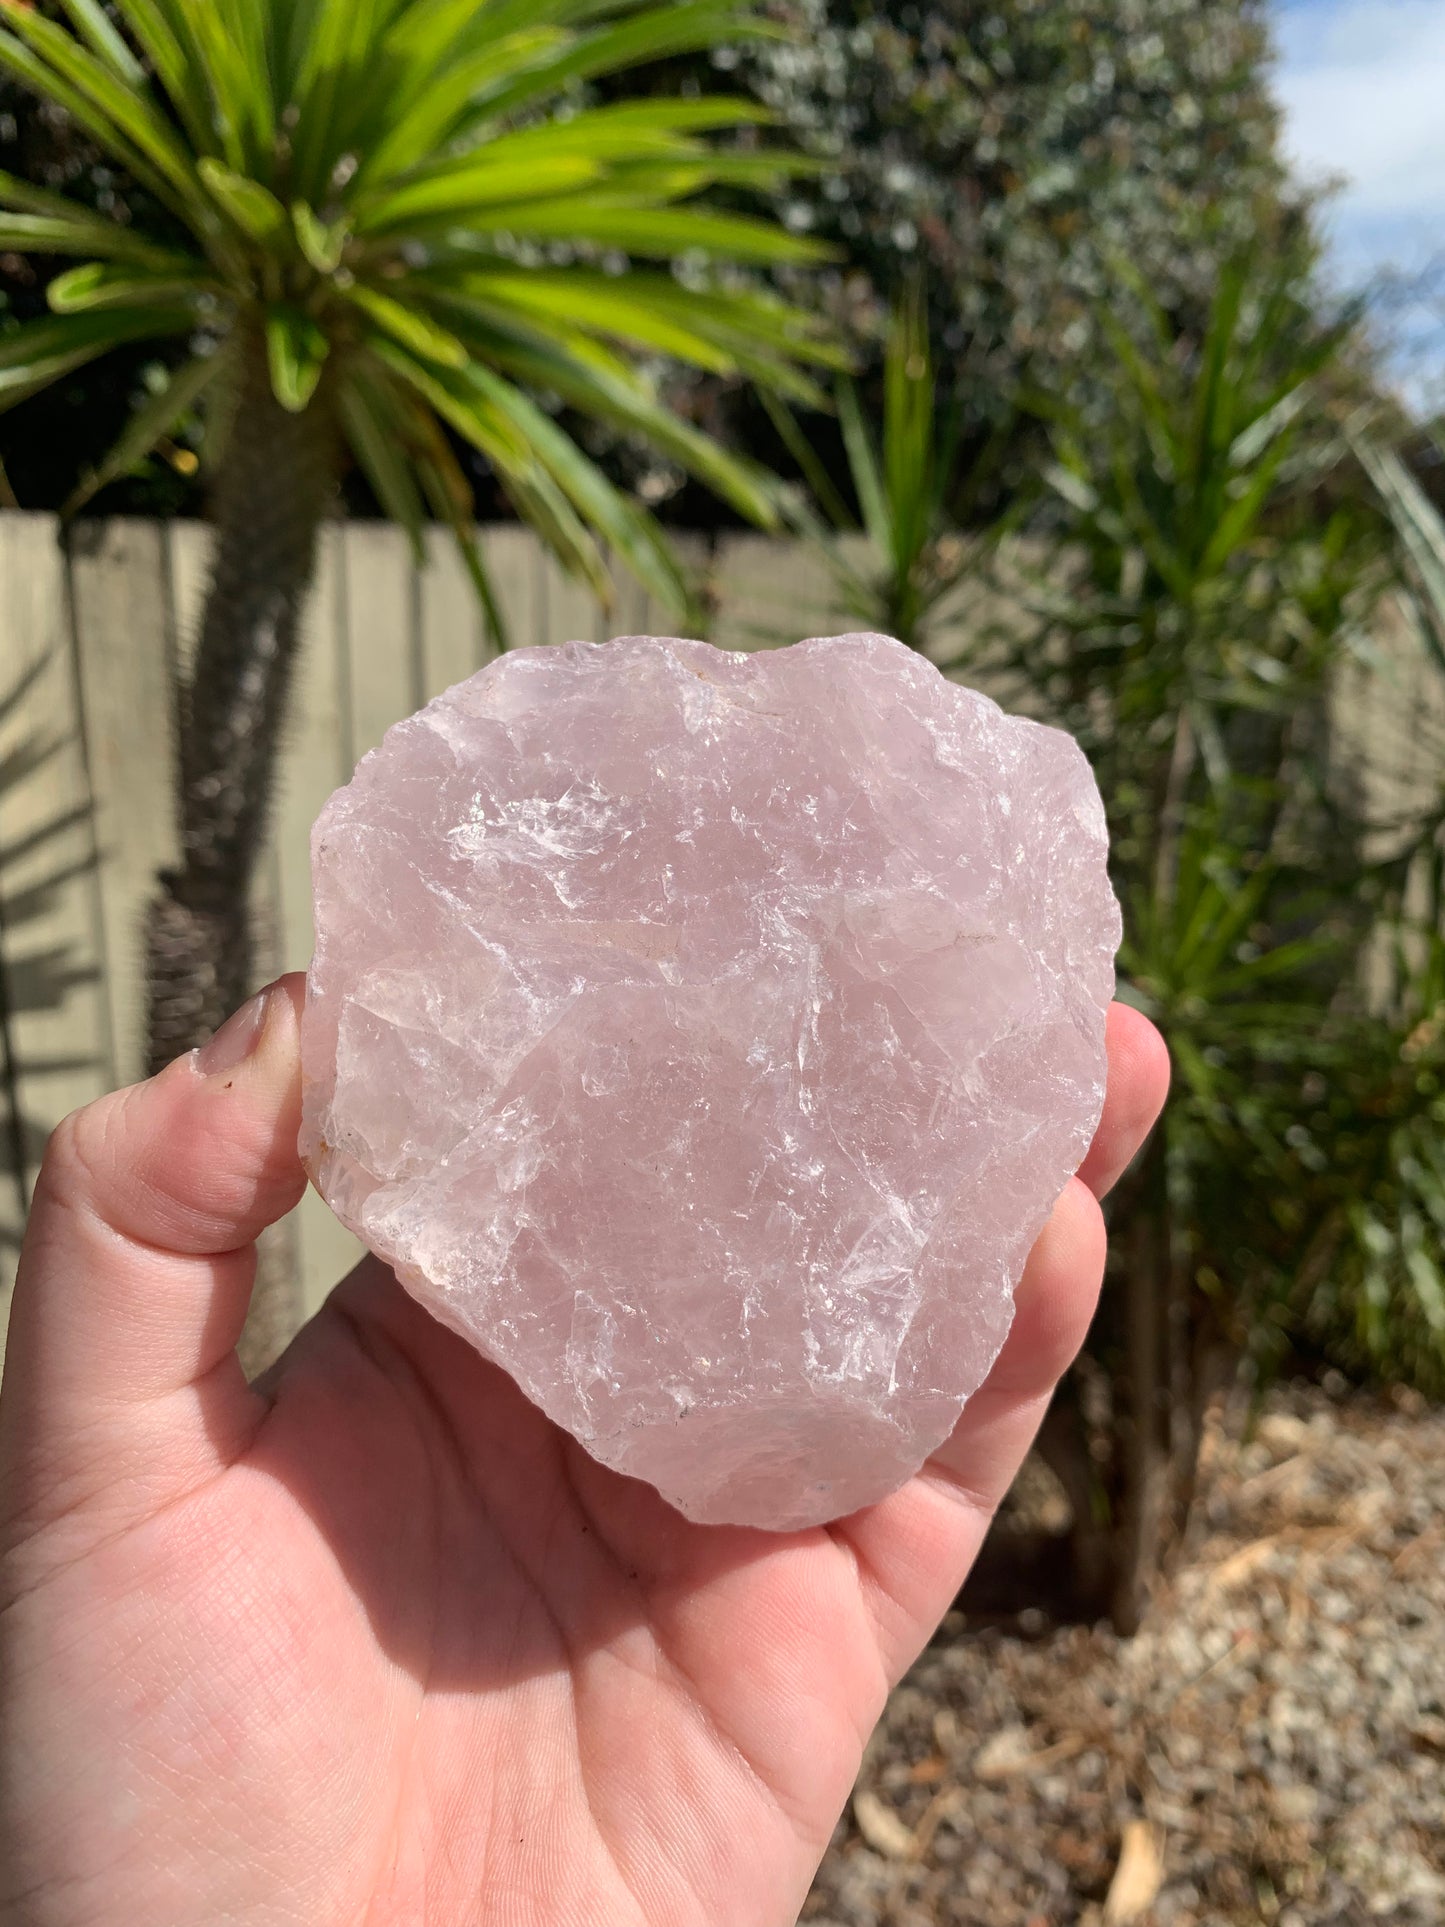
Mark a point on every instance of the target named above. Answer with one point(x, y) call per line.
point(236, 1039)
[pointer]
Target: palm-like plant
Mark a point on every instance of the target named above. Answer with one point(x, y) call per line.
point(1419, 527)
point(906, 478)
point(1214, 564)
point(375, 239)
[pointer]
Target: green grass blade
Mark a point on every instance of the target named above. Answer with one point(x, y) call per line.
point(806, 456)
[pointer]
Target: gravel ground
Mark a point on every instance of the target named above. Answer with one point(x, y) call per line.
point(1269, 1749)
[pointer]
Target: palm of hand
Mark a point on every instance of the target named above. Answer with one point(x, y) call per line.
point(462, 1672)
point(374, 1642)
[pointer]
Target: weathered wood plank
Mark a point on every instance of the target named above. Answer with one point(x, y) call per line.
point(510, 555)
point(380, 619)
point(313, 763)
point(121, 627)
point(632, 608)
point(56, 1046)
point(452, 641)
point(769, 593)
point(695, 555)
point(567, 611)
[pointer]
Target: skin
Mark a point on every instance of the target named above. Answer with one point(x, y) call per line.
point(370, 1641)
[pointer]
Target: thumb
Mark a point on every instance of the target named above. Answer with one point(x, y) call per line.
point(139, 1258)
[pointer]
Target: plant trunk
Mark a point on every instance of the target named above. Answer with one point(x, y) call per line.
point(274, 484)
point(1063, 1444)
point(1146, 1463)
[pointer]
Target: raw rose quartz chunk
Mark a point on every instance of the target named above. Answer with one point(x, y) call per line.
point(706, 1038)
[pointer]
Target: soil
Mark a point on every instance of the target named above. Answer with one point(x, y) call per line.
point(1269, 1749)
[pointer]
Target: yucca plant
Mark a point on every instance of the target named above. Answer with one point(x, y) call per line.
point(905, 475)
point(1420, 529)
point(383, 225)
point(1214, 563)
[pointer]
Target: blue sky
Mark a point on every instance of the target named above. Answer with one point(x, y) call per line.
point(1363, 87)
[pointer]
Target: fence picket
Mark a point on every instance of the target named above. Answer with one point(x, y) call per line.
point(313, 763)
point(382, 652)
point(122, 625)
point(103, 636)
point(769, 593)
point(566, 610)
point(452, 642)
point(56, 1046)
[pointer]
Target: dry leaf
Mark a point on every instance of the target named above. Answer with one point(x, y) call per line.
point(1009, 1752)
point(947, 1730)
point(1281, 1432)
point(1138, 1876)
point(881, 1827)
point(1242, 1564)
point(948, 1804)
point(1002, 1753)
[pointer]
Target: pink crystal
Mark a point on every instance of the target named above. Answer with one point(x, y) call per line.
point(706, 1038)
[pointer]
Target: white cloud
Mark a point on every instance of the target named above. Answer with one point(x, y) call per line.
point(1362, 83)
point(1363, 87)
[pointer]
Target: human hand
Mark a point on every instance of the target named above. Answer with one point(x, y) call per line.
point(372, 1641)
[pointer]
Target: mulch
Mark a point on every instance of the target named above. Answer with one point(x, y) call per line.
point(1269, 1749)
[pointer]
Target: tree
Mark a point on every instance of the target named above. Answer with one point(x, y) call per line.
point(382, 228)
point(373, 241)
point(1014, 155)
point(51, 441)
point(911, 488)
point(1222, 554)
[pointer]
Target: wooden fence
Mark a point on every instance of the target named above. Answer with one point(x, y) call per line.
point(93, 634)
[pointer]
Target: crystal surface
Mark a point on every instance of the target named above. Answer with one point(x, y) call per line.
point(706, 1037)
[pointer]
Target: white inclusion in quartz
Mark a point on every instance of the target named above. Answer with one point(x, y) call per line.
point(707, 1037)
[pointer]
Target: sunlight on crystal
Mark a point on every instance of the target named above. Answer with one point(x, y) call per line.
point(706, 1038)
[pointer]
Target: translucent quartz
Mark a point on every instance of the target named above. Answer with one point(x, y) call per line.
point(706, 1037)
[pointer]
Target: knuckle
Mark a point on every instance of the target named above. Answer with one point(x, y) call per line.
point(73, 1162)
